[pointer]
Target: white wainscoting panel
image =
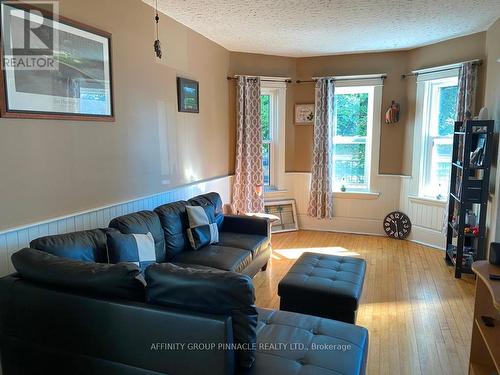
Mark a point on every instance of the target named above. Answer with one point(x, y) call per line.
point(362, 215)
point(426, 216)
point(17, 238)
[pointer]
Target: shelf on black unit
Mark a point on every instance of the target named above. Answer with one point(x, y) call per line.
point(452, 257)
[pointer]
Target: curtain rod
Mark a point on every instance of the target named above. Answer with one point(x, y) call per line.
point(346, 78)
point(263, 79)
point(442, 68)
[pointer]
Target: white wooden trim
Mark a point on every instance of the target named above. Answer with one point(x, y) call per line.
point(278, 111)
point(449, 72)
point(427, 201)
point(438, 69)
point(355, 195)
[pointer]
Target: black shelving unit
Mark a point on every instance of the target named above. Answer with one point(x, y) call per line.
point(468, 200)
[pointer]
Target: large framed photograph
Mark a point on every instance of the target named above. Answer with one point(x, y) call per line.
point(187, 95)
point(304, 114)
point(53, 67)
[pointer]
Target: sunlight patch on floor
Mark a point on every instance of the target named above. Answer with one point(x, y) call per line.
point(297, 252)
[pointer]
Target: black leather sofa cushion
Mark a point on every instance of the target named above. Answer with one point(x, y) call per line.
point(96, 279)
point(215, 256)
point(323, 285)
point(208, 291)
point(141, 223)
point(49, 331)
point(174, 222)
point(210, 199)
point(88, 245)
point(252, 242)
point(315, 345)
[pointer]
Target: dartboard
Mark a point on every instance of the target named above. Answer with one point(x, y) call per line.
point(397, 225)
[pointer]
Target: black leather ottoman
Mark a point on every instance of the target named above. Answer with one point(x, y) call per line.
point(323, 285)
point(297, 344)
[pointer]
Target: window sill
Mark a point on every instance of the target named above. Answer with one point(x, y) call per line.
point(427, 201)
point(367, 195)
point(271, 192)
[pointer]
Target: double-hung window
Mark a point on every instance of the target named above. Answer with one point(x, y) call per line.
point(437, 98)
point(272, 110)
point(352, 137)
point(266, 115)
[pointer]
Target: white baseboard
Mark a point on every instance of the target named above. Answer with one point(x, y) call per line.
point(420, 235)
point(342, 224)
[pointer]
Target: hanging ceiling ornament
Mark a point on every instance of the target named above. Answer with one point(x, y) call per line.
point(157, 44)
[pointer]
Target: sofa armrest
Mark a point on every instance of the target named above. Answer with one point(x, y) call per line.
point(246, 225)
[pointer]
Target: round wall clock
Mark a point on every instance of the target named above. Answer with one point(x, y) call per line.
point(397, 225)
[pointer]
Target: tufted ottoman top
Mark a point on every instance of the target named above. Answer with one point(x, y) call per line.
point(327, 277)
point(296, 344)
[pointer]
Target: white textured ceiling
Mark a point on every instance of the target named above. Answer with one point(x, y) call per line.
point(322, 27)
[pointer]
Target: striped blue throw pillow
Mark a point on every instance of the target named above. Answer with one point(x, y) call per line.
point(202, 229)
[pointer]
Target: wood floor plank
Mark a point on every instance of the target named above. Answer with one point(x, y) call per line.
point(418, 315)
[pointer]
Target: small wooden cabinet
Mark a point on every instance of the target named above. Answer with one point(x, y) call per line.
point(485, 345)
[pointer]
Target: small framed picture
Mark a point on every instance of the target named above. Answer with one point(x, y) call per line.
point(188, 95)
point(304, 114)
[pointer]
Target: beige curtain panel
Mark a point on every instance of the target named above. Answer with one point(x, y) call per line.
point(249, 176)
point(467, 80)
point(466, 99)
point(321, 193)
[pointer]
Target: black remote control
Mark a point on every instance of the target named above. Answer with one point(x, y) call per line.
point(494, 277)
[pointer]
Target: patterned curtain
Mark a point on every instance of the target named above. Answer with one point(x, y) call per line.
point(467, 79)
point(321, 194)
point(466, 97)
point(249, 177)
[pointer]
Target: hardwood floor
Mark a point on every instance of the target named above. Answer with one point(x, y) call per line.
point(418, 315)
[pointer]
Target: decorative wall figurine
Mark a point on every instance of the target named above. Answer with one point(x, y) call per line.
point(483, 114)
point(392, 114)
point(157, 43)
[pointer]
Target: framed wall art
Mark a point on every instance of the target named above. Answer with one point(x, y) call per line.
point(304, 114)
point(187, 95)
point(53, 67)
point(286, 212)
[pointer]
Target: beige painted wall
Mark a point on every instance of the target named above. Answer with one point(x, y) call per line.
point(53, 168)
point(392, 63)
point(264, 65)
point(396, 140)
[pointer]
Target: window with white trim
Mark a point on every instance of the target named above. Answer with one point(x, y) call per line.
point(272, 99)
point(352, 137)
point(437, 99)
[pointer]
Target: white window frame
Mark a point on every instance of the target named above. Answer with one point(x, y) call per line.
point(374, 87)
point(427, 85)
point(277, 111)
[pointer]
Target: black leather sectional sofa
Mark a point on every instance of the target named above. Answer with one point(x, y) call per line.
point(67, 311)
